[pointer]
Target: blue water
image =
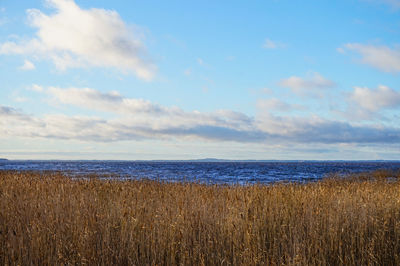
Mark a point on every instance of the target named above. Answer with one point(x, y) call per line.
point(205, 172)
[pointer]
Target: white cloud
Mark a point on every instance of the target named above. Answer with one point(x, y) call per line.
point(28, 65)
point(375, 99)
point(310, 86)
point(74, 37)
point(13, 122)
point(380, 57)
point(270, 44)
point(366, 104)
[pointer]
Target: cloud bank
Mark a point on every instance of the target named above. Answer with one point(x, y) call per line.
point(139, 119)
point(74, 37)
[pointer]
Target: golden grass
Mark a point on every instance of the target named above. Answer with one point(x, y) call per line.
point(49, 219)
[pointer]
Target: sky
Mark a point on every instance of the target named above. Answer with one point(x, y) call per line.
point(168, 80)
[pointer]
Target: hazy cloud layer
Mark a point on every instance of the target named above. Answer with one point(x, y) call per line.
point(380, 57)
point(74, 37)
point(137, 119)
point(97, 129)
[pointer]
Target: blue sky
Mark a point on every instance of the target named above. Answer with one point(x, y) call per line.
point(277, 79)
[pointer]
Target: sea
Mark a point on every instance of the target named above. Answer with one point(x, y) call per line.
point(203, 171)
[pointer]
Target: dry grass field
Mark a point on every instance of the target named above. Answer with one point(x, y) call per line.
point(50, 219)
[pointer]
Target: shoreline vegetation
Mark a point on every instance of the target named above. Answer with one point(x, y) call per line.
point(47, 218)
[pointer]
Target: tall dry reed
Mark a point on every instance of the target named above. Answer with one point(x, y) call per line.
point(49, 219)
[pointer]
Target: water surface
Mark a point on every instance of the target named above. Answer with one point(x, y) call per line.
point(206, 172)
